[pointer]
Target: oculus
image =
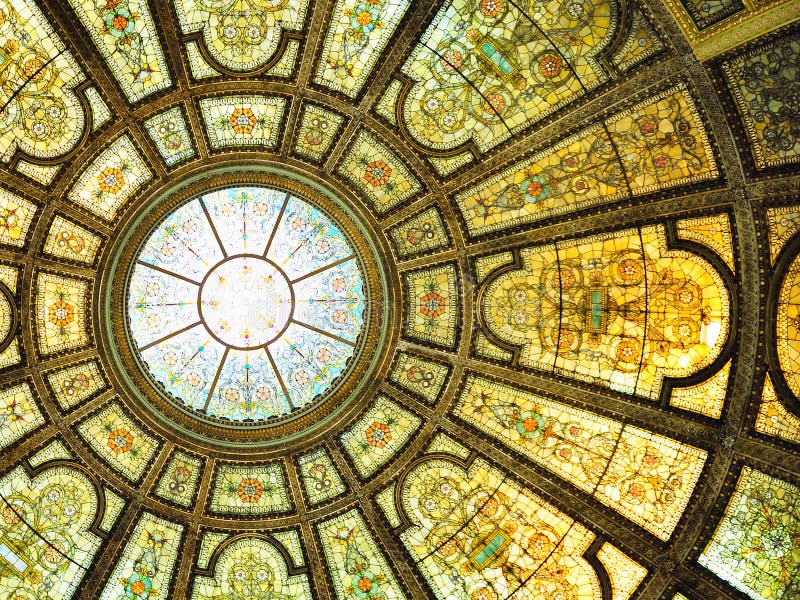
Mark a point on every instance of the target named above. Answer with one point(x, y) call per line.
point(246, 303)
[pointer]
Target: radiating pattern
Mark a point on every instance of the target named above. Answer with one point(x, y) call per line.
point(125, 35)
point(251, 567)
point(619, 309)
point(246, 303)
point(502, 541)
point(241, 35)
point(485, 70)
point(756, 546)
point(145, 568)
point(358, 567)
point(45, 541)
point(41, 114)
point(646, 477)
point(359, 31)
point(788, 326)
point(658, 144)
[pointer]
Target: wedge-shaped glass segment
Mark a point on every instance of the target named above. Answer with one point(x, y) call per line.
point(620, 310)
point(111, 179)
point(504, 541)
point(658, 144)
point(41, 114)
point(247, 388)
point(147, 562)
point(245, 217)
point(46, 531)
point(184, 244)
point(756, 546)
point(125, 35)
point(483, 71)
point(646, 477)
point(355, 561)
point(186, 364)
point(307, 240)
point(358, 33)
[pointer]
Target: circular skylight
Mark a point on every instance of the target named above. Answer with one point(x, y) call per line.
point(246, 303)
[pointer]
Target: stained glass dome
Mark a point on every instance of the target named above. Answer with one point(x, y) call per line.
point(246, 303)
point(396, 300)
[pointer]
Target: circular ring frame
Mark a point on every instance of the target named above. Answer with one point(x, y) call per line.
point(279, 432)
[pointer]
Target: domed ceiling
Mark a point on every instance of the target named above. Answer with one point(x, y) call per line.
point(381, 299)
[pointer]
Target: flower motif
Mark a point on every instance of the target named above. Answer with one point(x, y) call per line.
point(61, 313)
point(378, 434)
point(138, 587)
point(111, 180)
point(249, 490)
point(628, 351)
point(120, 441)
point(550, 65)
point(491, 8)
point(10, 516)
point(432, 305)
point(120, 23)
point(243, 121)
point(452, 59)
point(494, 104)
point(365, 17)
point(365, 584)
point(377, 173)
point(630, 270)
point(530, 425)
point(534, 189)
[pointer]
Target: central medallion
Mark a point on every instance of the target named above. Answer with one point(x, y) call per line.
point(246, 304)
